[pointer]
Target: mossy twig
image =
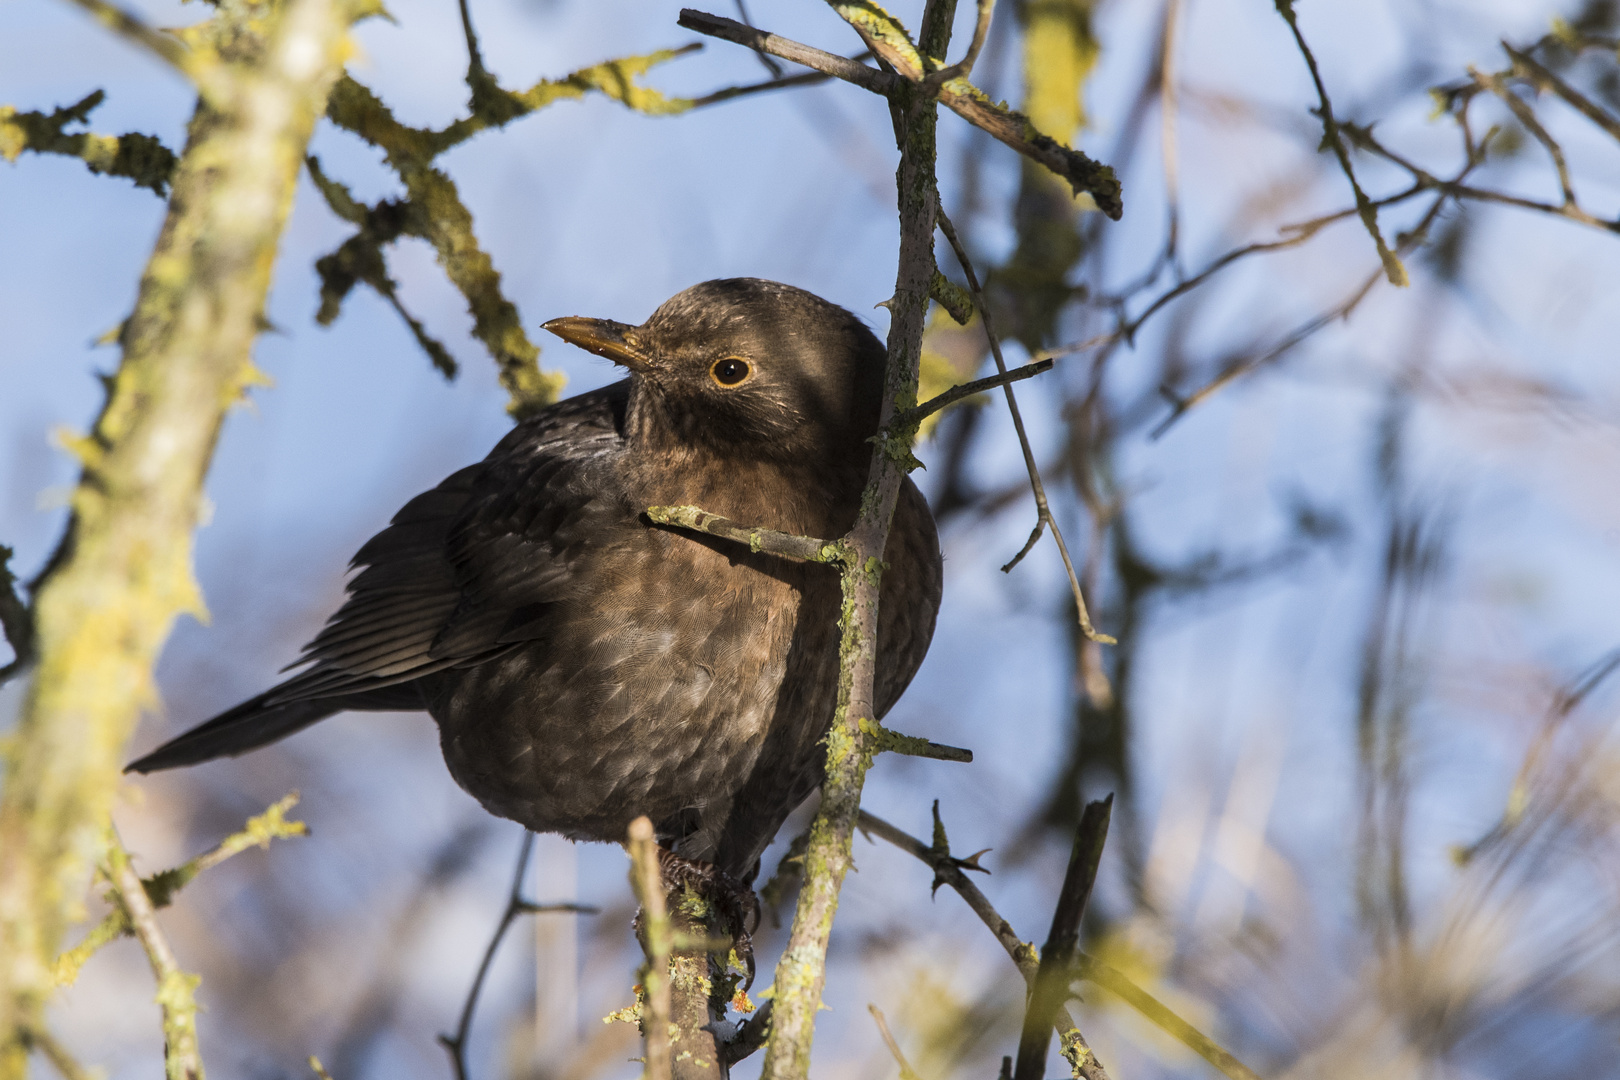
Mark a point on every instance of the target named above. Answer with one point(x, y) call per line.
point(141, 158)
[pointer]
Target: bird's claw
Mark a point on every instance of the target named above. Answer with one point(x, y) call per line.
point(737, 904)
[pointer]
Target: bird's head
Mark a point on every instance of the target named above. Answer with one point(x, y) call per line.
point(747, 366)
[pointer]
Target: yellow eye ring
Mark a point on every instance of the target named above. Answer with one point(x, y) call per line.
point(730, 372)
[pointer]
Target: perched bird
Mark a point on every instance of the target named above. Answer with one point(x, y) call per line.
point(586, 666)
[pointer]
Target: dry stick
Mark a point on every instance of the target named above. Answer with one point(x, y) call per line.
point(1051, 986)
point(906, 1071)
point(515, 905)
point(182, 1060)
point(1330, 130)
point(106, 606)
point(839, 67)
point(961, 97)
point(1044, 518)
point(648, 884)
point(968, 389)
point(949, 871)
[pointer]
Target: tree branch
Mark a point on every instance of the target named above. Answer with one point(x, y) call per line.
point(1085, 176)
point(648, 884)
point(1051, 985)
point(949, 870)
point(176, 990)
point(124, 573)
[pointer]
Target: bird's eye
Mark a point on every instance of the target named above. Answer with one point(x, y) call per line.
point(731, 371)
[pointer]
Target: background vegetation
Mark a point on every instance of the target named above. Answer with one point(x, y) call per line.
point(1357, 540)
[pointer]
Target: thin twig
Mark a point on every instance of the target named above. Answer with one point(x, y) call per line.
point(949, 870)
point(515, 905)
point(1051, 986)
point(765, 58)
point(966, 390)
point(787, 545)
point(176, 989)
point(906, 1071)
point(1085, 176)
point(962, 69)
point(1541, 77)
point(648, 884)
point(1330, 131)
point(1044, 518)
point(839, 67)
point(1526, 116)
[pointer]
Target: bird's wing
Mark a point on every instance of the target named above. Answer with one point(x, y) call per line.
point(468, 569)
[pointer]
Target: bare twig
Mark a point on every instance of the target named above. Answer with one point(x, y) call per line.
point(648, 884)
point(1084, 175)
point(176, 989)
point(516, 905)
point(765, 59)
point(951, 871)
point(1043, 518)
point(787, 545)
point(906, 1071)
point(1331, 135)
point(967, 390)
point(839, 67)
point(1051, 986)
point(961, 70)
point(1542, 78)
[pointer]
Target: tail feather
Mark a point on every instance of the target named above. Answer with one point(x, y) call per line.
point(254, 723)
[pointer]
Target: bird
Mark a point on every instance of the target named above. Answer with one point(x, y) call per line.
point(587, 666)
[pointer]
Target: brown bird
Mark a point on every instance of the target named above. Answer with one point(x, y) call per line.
point(586, 666)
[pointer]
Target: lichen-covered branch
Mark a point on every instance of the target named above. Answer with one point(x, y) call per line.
point(161, 887)
point(432, 209)
point(176, 990)
point(141, 158)
point(124, 572)
point(656, 941)
point(850, 744)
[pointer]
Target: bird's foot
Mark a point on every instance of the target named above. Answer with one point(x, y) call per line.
point(736, 903)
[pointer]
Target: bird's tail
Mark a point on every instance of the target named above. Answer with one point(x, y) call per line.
point(259, 722)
